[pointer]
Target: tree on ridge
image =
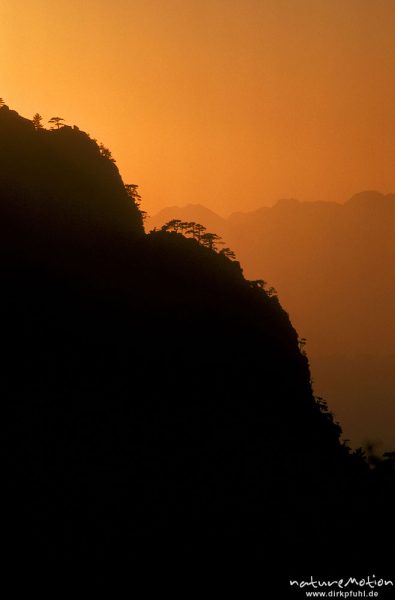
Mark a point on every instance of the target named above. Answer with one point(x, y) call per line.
point(106, 153)
point(173, 225)
point(210, 240)
point(200, 234)
point(228, 253)
point(56, 122)
point(134, 195)
point(37, 121)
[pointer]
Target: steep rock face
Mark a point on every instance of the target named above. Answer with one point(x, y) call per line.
point(332, 265)
point(148, 387)
point(58, 181)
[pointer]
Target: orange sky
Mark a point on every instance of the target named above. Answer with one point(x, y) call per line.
point(230, 103)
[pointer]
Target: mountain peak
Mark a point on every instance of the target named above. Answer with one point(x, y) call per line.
point(60, 180)
point(370, 198)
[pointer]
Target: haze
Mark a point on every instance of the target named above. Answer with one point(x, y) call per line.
point(332, 265)
point(233, 103)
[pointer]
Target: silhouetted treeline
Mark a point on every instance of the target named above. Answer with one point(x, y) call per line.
point(333, 266)
point(147, 387)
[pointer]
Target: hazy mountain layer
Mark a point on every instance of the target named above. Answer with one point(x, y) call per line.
point(149, 389)
point(332, 265)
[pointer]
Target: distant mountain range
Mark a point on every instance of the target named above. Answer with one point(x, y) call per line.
point(150, 392)
point(148, 388)
point(333, 266)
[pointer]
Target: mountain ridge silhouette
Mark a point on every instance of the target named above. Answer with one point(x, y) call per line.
point(148, 387)
point(332, 266)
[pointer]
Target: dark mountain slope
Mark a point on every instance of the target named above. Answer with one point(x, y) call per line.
point(58, 180)
point(332, 265)
point(148, 388)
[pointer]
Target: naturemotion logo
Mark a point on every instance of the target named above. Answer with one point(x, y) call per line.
point(351, 587)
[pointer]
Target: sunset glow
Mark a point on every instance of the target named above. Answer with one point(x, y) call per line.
point(197, 229)
point(231, 103)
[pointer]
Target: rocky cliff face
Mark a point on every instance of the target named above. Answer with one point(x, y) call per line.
point(148, 387)
point(58, 180)
point(332, 265)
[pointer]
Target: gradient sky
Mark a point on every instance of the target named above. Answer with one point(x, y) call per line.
point(229, 103)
